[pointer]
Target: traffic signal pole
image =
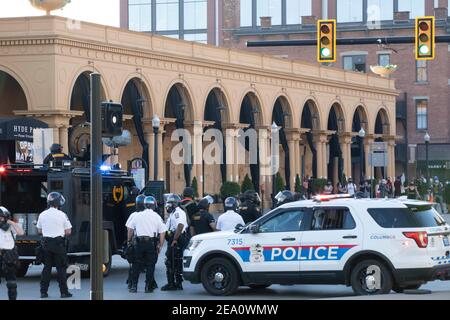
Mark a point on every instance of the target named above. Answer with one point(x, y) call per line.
point(346, 41)
point(96, 259)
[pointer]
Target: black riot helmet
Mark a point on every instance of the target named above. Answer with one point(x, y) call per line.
point(232, 204)
point(55, 199)
point(150, 203)
point(140, 203)
point(205, 203)
point(56, 148)
point(252, 196)
point(188, 192)
point(284, 197)
point(171, 201)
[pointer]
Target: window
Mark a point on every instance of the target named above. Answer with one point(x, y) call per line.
point(416, 8)
point(295, 9)
point(332, 219)
point(417, 217)
point(140, 15)
point(421, 71)
point(422, 114)
point(246, 13)
point(195, 14)
point(349, 10)
point(384, 59)
point(380, 10)
point(355, 63)
point(198, 37)
point(284, 222)
point(268, 8)
point(167, 15)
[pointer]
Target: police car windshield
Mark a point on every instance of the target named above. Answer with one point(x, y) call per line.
point(411, 217)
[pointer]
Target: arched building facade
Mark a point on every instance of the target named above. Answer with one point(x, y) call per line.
point(44, 73)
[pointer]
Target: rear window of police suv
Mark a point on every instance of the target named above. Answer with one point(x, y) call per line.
point(412, 217)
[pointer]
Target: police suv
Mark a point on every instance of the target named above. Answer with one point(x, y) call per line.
point(374, 246)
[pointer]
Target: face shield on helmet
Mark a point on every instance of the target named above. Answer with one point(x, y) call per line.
point(232, 204)
point(280, 197)
point(55, 199)
point(171, 202)
point(150, 203)
point(205, 203)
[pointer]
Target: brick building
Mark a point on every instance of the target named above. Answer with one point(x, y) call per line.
point(423, 104)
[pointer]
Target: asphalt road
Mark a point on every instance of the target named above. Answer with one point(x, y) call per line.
point(115, 289)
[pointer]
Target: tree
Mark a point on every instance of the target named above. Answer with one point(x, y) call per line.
point(229, 189)
point(194, 185)
point(279, 183)
point(247, 184)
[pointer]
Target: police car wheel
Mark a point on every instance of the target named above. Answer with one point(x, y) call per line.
point(371, 277)
point(220, 277)
point(258, 286)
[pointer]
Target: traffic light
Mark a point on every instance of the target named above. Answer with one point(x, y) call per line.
point(326, 41)
point(112, 119)
point(425, 38)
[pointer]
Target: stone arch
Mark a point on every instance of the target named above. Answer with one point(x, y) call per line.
point(253, 99)
point(180, 95)
point(336, 110)
point(223, 97)
point(381, 124)
point(359, 119)
point(286, 106)
point(144, 88)
point(310, 117)
point(13, 93)
point(335, 123)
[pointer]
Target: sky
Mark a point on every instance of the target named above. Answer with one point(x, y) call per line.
point(97, 11)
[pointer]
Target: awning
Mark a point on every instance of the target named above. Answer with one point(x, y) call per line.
point(19, 128)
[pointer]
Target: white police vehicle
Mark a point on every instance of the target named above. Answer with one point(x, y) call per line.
point(374, 246)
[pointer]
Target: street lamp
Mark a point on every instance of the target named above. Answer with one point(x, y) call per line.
point(427, 139)
point(156, 123)
point(361, 134)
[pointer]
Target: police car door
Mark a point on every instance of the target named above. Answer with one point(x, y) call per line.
point(331, 236)
point(274, 248)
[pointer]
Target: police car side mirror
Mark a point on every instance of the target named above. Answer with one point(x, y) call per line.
point(239, 227)
point(254, 228)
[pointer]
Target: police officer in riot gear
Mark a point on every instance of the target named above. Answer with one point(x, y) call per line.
point(129, 249)
point(250, 209)
point(54, 226)
point(202, 221)
point(8, 253)
point(148, 230)
point(56, 155)
point(188, 204)
point(231, 218)
point(177, 240)
point(283, 197)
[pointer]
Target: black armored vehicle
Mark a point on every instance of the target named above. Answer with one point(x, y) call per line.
point(24, 189)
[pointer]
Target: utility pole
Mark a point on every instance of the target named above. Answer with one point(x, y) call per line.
point(96, 261)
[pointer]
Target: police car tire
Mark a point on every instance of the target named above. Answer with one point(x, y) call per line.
point(232, 276)
point(386, 278)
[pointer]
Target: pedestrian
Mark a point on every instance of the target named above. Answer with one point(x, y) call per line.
point(398, 187)
point(231, 218)
point(389, 187)
point(177, 240)
point(251, 206)
point(55, 227)
point(310, 188)
point(202, 221)
point(438, 189)
point(351, 187)
point(188, 204)
point(130, 248)
point(9, 257)
point(148, 230)
point(384, 191)
point(305, 187)
point(341, 189)
point(412, 192)
point(328, 189)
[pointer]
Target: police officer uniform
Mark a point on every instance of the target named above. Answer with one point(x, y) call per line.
point(175, 247)
point(56, 156)
point(230, 219)
point(202, 221)
point(53, 224)
point(148, 228)
point(8, 254)
point(250, 210)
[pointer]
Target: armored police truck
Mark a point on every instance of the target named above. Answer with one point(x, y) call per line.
point(24, 189)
